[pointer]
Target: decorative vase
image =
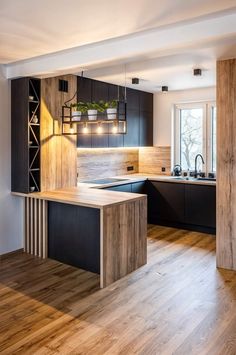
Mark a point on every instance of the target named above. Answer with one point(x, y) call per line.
point(111, 113)
point(35, 119)
point(76, 115)
point(92, 115)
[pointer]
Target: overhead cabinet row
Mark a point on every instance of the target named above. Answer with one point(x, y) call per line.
point(139, 115)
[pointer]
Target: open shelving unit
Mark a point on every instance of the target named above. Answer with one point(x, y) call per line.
point(25, 134)
point(82, 124)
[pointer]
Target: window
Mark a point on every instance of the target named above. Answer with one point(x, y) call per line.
point(195, 133)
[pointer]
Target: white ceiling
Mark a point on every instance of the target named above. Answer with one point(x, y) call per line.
point(30, 29)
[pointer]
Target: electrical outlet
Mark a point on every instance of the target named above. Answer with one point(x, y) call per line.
point(163, 169)
point(130, 168)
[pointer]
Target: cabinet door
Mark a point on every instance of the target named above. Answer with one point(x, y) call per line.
point(200, 205)
point(146, 101)
point(123, 188)
point(99, 92)
point(131, 138)
point(146, 129)
point(84, 86)
point(138, 187)
point(114, 140)
point(166, 202)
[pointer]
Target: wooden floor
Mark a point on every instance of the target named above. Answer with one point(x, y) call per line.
point(179, 303)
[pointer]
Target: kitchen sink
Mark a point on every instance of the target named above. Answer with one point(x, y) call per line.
point(104, 181)
point(206, 179)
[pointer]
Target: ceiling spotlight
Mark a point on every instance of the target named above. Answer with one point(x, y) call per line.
point(135, 81)
point(164, 88)
point(197, 72)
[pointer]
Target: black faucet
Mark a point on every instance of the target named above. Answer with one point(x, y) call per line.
point(195, 171)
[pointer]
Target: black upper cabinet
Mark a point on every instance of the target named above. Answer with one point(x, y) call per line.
point(99, 92)
point(114, 140)
point(131, 138)
point(145, 128)
point(84, 88)
point(139, 115)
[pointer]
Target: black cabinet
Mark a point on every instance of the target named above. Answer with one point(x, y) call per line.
point(139, 115)
point(145, 128)
point(138, 187)
point(123, 188)
point(25, 135)
point(165, 202)
point(188, 206)
point(200, 205)
point(131, 138)
point(84, 93)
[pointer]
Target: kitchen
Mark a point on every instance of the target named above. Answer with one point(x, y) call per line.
point(85, 191)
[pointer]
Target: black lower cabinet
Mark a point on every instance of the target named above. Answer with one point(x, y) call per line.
point(74, 235)
point(187, 206)
point(123, 188)
point(165, 203)
point(139, 187)
point(200, 205)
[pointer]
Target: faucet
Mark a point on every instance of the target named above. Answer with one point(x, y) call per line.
point(196, 158)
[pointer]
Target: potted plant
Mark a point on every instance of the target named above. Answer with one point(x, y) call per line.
point(111, 107)
point(93, 108)
point(77, 109)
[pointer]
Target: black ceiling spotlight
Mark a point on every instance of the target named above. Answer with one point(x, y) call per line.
point(135, 81)
point(164, 88)
point(197, 72)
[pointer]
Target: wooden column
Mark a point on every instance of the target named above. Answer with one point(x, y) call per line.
point(226, 164)
point(58, 153)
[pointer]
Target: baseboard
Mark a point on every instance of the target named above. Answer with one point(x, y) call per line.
point(11, 253)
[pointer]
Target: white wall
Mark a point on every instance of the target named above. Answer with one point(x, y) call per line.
point(11, 208)
point(163, 110)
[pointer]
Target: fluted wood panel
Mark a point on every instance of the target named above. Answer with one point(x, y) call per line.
point(94, 163)
point(226, 164)
point(58, 153)
point(152, 159)
point(36, 235)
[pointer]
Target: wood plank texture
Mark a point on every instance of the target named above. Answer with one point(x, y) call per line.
point(226, 164)
point(123, 240)
point(92, 163)
point(178, 303)
point(152, 159)
point(36, 231)
point(58, 153)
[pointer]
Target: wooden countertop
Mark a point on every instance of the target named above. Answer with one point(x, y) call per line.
point(94, 195)
point(85, 196)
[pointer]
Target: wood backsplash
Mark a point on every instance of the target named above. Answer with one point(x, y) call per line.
point(107, 162)
point(152, 159)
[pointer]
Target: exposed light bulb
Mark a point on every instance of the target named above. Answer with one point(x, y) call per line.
point(115, 129)
point(99, 129)
point(85, 129)
point(72, 130)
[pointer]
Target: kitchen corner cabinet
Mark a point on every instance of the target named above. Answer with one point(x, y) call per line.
point(139, 115)
point(187, 206)
point(25, 135)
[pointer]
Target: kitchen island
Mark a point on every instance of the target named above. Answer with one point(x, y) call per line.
point(96, 230)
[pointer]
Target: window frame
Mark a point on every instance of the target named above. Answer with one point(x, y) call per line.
point(207, 107)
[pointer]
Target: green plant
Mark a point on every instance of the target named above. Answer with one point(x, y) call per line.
point(79, 106)
point(108, 104)
point(95, 106)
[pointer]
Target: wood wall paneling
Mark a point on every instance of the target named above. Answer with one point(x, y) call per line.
point(226, 164)
point(58, 153)
point(152, 159)
point(94, 163)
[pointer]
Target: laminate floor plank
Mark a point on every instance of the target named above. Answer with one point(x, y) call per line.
point(178, 303)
